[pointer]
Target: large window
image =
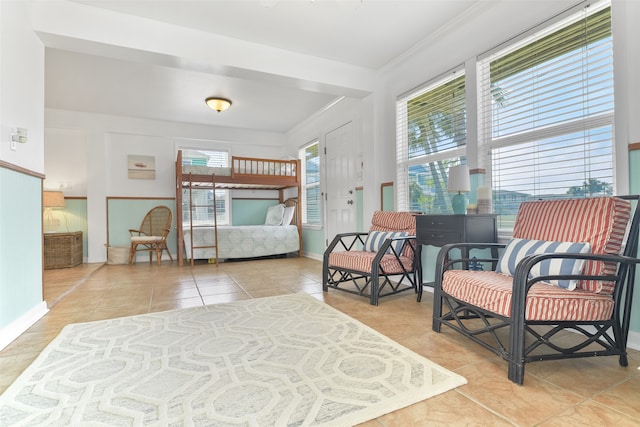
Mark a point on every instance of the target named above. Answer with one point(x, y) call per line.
point(202, 206)
point(547, 113)
point(311, 202)
point(432, 132)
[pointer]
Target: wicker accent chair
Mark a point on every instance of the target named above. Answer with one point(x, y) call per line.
point(569, 267)
point(373, 264)
point(152, 235)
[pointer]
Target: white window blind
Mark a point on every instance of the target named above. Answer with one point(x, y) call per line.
point(311, 202)
point(431, 137)
point(202, 205)
point(548, 113)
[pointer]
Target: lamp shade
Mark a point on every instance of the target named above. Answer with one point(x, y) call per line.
point(53, 199)
point(459, 179)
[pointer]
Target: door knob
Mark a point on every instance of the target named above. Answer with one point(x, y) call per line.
point(349, 202)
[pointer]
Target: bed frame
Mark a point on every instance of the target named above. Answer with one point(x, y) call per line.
point(247, 173)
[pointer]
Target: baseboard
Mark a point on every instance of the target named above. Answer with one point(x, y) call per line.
point(634, 340)
point(312, 256)
point(20, 325)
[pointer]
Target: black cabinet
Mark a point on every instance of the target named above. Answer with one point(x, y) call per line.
point(439, 230)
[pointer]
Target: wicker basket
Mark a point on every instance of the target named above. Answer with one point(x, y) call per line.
point(118, 255)
point(62, 250)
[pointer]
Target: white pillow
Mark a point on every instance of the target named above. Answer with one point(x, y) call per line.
point(288, 215)
point(274, 215)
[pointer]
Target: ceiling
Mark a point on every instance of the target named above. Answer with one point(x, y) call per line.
point(363, 34)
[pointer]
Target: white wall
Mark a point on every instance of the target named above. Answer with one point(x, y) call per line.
point(21, 86)
point(21, 105)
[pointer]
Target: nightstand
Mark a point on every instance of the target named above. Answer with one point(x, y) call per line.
point(62, 250)
point(439, 230)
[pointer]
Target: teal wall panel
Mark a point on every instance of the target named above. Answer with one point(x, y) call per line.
point(313, 241)
point(20, 245)
point(75, 219)
point(360, 210)
point(388, 198)
point(127, 213)
point(250, 211)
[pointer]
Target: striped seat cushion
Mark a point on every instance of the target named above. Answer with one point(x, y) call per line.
point(362, 260)
point(600, 221)
point(492, 291)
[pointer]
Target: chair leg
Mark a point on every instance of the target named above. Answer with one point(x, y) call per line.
point(164, 247)
point(132, 252)
point(375, 286)
point(158, 254)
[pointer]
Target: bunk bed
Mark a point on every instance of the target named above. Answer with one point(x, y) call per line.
point(211, 241)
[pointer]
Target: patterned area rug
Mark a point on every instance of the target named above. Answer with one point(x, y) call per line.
point(281, 361)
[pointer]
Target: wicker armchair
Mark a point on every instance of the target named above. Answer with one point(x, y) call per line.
point(152, 235)
point(373, 264)
point(570, 267)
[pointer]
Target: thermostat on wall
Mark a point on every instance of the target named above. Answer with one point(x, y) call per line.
point(19, 135)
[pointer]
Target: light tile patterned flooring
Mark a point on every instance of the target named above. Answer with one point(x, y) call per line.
point(581, 392)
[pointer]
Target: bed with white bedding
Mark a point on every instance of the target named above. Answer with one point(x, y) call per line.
point(243, 241)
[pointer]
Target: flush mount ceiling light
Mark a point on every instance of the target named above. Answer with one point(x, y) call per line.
point(218, 104)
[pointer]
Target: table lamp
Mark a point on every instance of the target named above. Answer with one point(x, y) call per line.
point(51, 200)
point(459, 183)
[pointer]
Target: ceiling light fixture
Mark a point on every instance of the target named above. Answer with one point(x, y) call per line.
point(218, 104)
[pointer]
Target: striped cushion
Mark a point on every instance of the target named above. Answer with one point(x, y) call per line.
point(395, 221)
point(600, 221)
point(362, 260)
point(492, 291)
point(517, 249)
point(375, 240)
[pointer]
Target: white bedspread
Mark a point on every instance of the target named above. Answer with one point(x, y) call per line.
point(244, 241)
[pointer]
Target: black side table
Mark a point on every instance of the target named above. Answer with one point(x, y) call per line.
point(439, 230)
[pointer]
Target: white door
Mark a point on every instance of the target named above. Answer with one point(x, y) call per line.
point(340, 192)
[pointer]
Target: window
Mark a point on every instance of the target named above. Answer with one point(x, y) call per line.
point(310, 159)
point(548, 112)
point(431, 137)
point(203, 198)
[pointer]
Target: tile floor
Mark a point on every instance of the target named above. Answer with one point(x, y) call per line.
point(581, 392)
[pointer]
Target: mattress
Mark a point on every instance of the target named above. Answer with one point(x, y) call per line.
point(243, 241)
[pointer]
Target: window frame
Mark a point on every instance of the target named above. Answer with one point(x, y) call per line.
point(224, 195)
point(584, 123)
point(454, 155)
point(305, 186)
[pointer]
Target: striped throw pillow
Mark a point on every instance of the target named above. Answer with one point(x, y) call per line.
point(375, 239)
point(517, 249)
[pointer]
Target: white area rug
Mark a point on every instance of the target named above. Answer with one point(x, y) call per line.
point(282, 361)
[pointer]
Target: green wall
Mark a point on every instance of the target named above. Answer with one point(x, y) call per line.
point(250, 211)
point(388, 198)
point(359, 210)
point(74, 218)
point(127, 213)
point(313, 241)
point(20, 245)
